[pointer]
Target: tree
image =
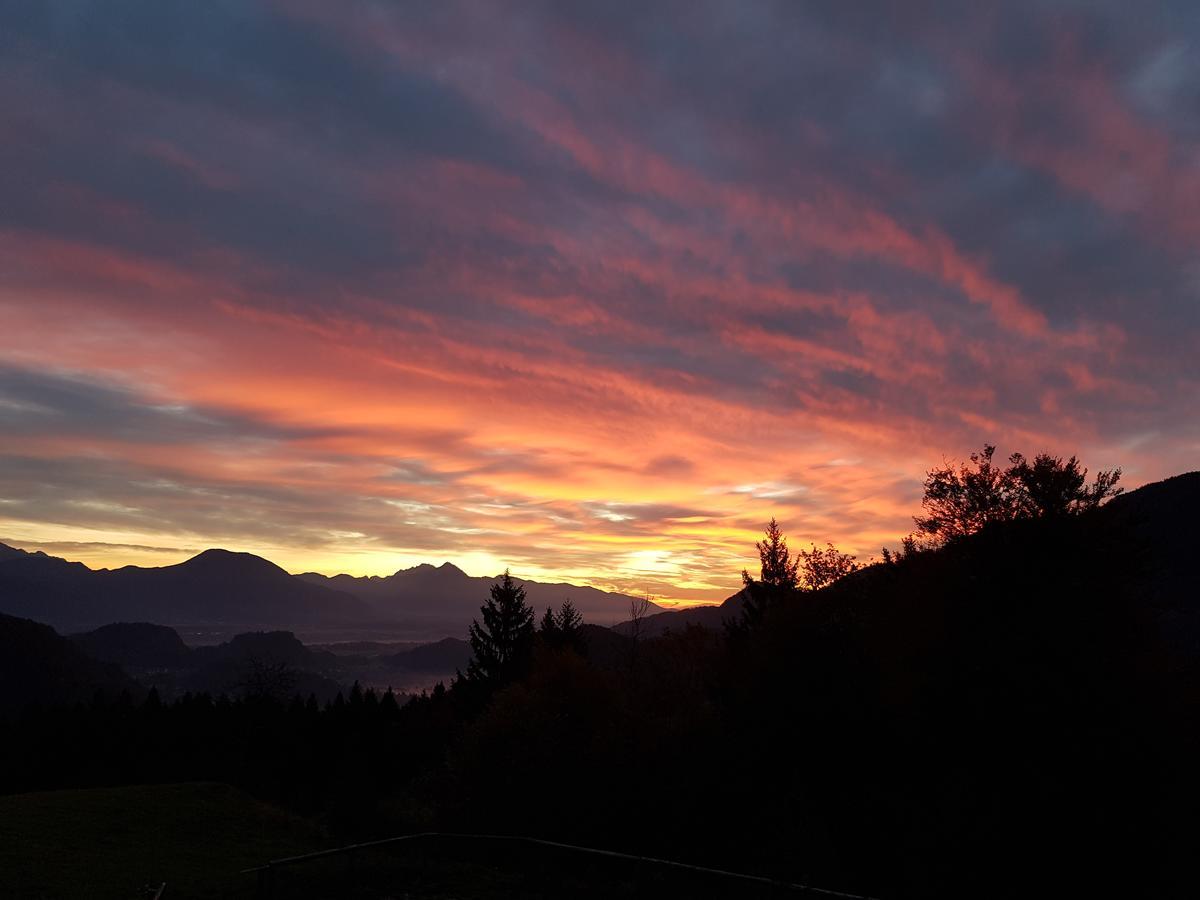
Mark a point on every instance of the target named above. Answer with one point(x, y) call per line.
point(820, 568)
point(501, 645)
point(778, 576)
point(569, 623)
point(266, 680)
point(778, 569)
point(963, 500)
point(639, 608)
point(1050, 487)
point(548, 628)
point(561, 630)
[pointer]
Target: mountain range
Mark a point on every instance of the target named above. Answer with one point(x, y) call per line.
point(446, 591)
point(239, 589)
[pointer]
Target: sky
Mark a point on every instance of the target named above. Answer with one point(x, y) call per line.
point(590, 290)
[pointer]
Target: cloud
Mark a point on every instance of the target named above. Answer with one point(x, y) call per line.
point(588, 290)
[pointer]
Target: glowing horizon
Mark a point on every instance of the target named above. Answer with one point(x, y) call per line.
point(586, 296)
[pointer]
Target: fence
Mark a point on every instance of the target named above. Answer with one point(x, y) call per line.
point(267, 878)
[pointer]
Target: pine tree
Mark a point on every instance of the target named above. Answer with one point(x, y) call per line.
point(569, 620)
point(779, 574)
point(501, 645)
point(549, 627)
point(561, 630)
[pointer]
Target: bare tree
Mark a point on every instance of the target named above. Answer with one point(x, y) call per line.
point(264, 679)
point(639, 609)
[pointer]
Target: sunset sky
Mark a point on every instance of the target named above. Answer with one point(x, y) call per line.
point(590, 290)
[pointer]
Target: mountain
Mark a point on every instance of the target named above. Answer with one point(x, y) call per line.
point(37, 665)
point(135, 645)
point(1163, 516)
point(447, 594)
point(447, 655)
point(220, 587)
point(658, 624)
point(267, 646)
point(157, 657)
point(216, 586)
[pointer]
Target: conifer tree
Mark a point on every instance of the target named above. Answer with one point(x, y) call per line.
point(501, 644)
point(778, 576)
point(569, 620)
point(549, 627)
point(778, 569)
point(564, 628)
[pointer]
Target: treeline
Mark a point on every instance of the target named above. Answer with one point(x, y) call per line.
point(990, 713)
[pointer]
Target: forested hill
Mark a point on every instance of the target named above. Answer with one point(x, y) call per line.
point(38, 666)
point(1159, 519)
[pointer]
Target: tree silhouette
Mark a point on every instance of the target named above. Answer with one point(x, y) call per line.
point(265, 679)
point(820, 568)
point(964, 500)
point(778, 569)
point(1051, 487)
point(961, 501)
point(778, 575)
point(548, 628)
point(501, 645)
point(561, 630)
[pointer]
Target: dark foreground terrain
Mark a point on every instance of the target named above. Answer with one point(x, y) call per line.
point(207, 840)
point(1012, 715)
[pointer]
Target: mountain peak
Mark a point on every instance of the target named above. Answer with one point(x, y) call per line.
point(218, 560)
point(415, 570)
point(446, 568)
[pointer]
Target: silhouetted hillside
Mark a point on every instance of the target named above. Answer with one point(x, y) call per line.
point(660, 623)
point(157, 657)
point(37, 665)
point(447, 655)
point(1161, 516)
point(1011, 715)
point(135, 645)
point(605, 648)
point(1166, 516)
point(216, 586)
point(275, 646)
point(447, 594)
point(227, 588)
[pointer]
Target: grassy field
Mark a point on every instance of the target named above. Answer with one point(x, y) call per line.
point(115, 842)
point(110, 842)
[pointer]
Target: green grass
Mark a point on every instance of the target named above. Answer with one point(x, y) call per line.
point(110, 842)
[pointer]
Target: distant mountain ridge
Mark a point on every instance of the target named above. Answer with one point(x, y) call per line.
point(712, 617)
point(230, 588)
point(448, 591)
point(216, 586)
